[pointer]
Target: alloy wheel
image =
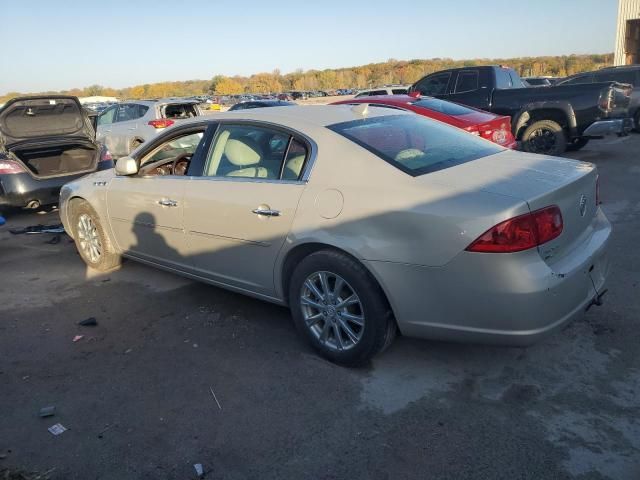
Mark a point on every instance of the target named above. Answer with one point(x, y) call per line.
point(543, 140)
point(332, 310)
point(88, 238)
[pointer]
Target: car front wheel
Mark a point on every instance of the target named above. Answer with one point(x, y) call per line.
point(339, 308)
point(91, 240)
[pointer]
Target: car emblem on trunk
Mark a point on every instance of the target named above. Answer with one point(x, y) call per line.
point(583, 205)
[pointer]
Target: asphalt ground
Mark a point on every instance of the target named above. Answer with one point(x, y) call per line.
point(178, 373)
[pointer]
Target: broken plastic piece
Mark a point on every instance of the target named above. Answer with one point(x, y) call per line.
point(77, 338)
point(199, 469)
point(47, 411)
point(88, 322)
point(57, 429)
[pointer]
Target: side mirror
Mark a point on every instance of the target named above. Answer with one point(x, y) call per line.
point(126, 166)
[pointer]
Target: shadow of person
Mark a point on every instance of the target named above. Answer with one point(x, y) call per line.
point(150, 241)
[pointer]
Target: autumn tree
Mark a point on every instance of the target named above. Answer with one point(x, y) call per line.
point(228, 86)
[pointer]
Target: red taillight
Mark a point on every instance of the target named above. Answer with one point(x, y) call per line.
point(521, 233)
point(9, 167)
point(106, 155)
point(606, 102)
point(162, 123)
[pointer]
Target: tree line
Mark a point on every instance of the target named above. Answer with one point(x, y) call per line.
point(365, 76)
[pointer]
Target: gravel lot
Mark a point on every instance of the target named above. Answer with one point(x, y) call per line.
point(135, 392)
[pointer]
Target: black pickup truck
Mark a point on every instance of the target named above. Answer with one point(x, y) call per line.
point(546, 120)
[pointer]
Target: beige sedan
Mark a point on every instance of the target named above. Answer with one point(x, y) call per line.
point(364, 220)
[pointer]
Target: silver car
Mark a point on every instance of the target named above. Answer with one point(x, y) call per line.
point(127, 125)
point(363, 220)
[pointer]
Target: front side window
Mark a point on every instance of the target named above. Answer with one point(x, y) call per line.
point(415, 144)
point(255, 152)
point(467, 82)
point(434, 84)
point(173, 156)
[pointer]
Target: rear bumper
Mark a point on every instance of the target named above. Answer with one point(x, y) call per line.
point(510, 299)
point(19, 190)
point(615, 126)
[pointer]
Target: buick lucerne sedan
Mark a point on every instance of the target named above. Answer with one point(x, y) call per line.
point(364, 220)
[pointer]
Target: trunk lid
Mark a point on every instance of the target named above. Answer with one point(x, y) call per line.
point(29, 119)
point(540, 181)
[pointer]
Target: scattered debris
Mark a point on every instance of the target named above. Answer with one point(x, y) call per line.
point(57, 429)
point(49, 411)
point(35, 229)
point(199, 469)
point(88, 322)
point(77, 338)
point(26, 377)
point(128, 350)
point(195, 345)
point(107, 427)
point(215, 398)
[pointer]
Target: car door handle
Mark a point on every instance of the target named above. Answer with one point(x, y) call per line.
point(165, 202)
point(267, 212)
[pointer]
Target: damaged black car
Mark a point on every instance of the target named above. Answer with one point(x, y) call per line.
point(45, 142)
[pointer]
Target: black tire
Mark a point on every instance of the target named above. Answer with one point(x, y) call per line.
point(576, 144)
point(546, 137)
point(108, 258)
point(379, 327)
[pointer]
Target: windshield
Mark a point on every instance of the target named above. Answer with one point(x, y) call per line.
point(415, 144)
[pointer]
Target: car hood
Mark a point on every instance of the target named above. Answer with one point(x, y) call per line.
point(32, 119)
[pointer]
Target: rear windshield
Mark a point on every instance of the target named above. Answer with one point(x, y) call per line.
point(442, 106)
point(180, 110)
point(414, 144)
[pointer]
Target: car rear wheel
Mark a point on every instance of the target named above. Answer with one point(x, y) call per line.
point(545, 137)
point(91, 240)
point(339, 308)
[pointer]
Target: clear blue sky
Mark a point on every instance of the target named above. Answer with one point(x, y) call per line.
point(62, 44)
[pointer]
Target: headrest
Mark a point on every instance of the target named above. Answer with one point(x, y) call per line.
point(243, 151)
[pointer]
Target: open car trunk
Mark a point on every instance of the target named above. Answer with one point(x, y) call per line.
point(57, 160)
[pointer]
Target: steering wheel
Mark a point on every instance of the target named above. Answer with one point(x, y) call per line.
point(183, 157)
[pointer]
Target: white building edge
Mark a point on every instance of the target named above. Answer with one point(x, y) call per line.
point(627, 50)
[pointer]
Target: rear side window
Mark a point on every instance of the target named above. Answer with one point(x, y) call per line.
point(442, 106)
point(399, 91)
point(434, 84)
point(617, 76)
point(178, 111)
point(130, 111)
point(503, 79)
point(467, 81)
point(414, 144)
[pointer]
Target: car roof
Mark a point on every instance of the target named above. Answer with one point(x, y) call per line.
point(305, 115)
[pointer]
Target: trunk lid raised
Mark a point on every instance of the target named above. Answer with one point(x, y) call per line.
point(32, 119)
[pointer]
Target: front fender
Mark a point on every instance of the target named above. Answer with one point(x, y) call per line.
point(522, 117)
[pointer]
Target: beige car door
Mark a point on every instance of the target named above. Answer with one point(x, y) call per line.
point(238, 214)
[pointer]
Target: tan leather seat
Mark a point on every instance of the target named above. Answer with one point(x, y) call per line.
point(293, 168)
point(246, 154)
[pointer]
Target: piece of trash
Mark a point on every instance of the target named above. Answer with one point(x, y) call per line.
point(47, 411)
point(26, 377)
point(57, 429)
point(128, 350)
point(88, 322)
point(199, 469)
point(54, 240)
point(34, 229)
point(77, 338)
point(195, 345)
point(215, 398)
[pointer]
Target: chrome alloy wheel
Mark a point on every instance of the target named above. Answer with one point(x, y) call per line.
point(88, 238)
point(332, 310)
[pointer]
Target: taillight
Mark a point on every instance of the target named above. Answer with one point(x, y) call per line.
point(500, 136)
point(521, 233)
point(605, 103)
point(162, 123)
point(10, 167)
point(106, 155)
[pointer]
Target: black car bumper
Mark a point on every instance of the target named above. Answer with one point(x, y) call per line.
point(21, 189)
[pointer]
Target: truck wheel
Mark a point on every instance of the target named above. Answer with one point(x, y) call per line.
point(339, 308)
point(92, 242)
point(546, 137)
point(576, 144)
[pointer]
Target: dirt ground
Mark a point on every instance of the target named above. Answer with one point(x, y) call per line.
point(139, 392)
